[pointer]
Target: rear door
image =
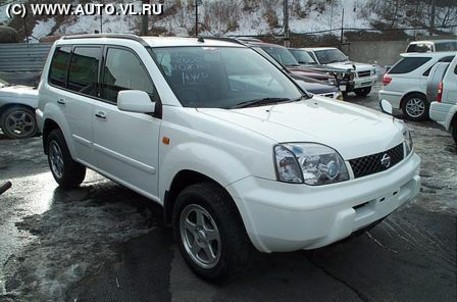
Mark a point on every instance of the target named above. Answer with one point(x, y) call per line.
point(125, 143)
point(75, 71)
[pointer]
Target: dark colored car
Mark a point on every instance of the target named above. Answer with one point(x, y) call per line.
point(282, 55)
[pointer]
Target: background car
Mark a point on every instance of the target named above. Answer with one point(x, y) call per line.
point(282, 55)
point(444, 108)
point(344, 76)
point(17, 110)
point(404, 86)
point(365, 74)
point(311, 85)
point(432, 46)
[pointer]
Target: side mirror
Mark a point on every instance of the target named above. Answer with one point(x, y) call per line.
point(135, 101)
point(386, 107)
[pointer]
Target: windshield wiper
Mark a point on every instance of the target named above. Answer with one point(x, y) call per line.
point(260, 102)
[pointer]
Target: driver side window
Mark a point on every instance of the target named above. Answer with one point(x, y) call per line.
point(123, 70)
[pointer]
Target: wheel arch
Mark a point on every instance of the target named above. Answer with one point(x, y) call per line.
point(183, 179)
point(405, 97)
point(48, 126)
point(11, 105)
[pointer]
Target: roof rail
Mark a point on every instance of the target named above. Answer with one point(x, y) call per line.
point(115, 36)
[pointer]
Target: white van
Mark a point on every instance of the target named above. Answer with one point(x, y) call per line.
point(432, 46)
point(444, 109)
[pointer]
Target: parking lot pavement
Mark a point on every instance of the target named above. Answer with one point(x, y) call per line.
point(103, 242)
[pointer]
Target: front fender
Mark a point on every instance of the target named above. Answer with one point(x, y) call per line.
point(217, 164)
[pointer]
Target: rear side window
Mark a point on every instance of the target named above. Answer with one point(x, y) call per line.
point(406, 65)
point(59, 66)
point(84, 69)
point(447, 59)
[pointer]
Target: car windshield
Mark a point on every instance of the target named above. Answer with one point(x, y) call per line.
point(302, 56)
point(327, 56)
point(223, 77)
point(420, 47)
point(282, 55)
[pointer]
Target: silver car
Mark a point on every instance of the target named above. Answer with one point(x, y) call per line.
point(17, 110)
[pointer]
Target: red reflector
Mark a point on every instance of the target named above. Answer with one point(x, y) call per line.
point(439, 95)
point(386, 80)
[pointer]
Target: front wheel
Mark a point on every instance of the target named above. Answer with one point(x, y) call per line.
point(362, 91)
point(19, 122)
point(415, 107)
point(210, 233)
point(67, 173)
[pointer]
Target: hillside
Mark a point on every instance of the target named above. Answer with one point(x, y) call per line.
point(257, 18)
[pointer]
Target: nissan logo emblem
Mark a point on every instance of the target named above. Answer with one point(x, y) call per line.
point(385, 161)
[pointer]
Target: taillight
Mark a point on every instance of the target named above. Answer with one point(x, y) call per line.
point(439, 94)
point(386, 80)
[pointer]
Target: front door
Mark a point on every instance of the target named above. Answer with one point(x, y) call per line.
point(125, 143)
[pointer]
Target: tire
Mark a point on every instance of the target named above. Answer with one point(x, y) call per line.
point(210, 233)
point(67, 173)
point(19, 122)
point(415, 107)
point(454, 131)
point(362, 91)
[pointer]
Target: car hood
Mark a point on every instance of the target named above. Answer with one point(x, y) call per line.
point(300, 71)
point(352, 130)
point(350, 64)
point(315, 88)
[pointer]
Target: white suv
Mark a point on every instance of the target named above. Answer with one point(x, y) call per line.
point(404, 86)
point(365, 74)
point(235, 152)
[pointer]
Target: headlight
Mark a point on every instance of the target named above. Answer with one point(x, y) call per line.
point(339, 96)
point(373, 72)
point(312, 164)
point(332, 82)
point(408, 141)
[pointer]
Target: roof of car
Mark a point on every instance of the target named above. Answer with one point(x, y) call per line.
point(428, 54)
point(433, 41)
point(260, 44)
point(154, 41)
point(318, 48)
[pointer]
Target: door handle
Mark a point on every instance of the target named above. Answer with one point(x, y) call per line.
point(101, 115)
point(61, 101)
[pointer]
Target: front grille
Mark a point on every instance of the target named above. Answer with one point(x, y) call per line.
point(371, 164)
point(363, 73)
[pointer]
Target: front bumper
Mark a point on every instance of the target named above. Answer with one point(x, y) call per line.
point(394, 98)
point(363, 82)
point(283, 217)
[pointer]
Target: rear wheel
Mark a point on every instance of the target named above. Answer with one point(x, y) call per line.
point(210, 233)
point(362, 91)
point(67, 173)
point(415, 107)
point(19, 122)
